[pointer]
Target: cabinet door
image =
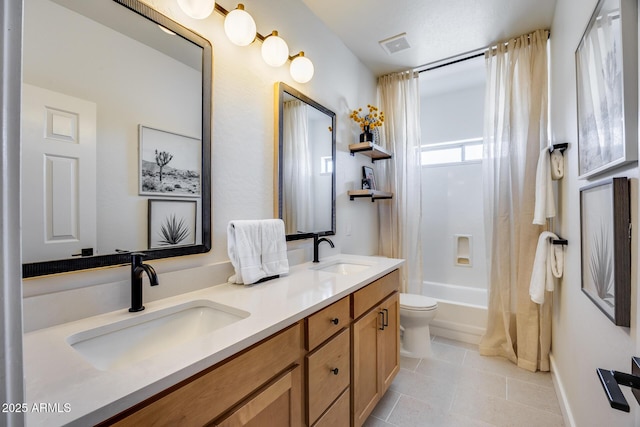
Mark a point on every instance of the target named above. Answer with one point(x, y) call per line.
point(338, 414)
point(389, 341)
point(366, 375)
point(278, 404)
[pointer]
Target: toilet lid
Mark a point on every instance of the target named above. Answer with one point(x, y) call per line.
point(417, 302)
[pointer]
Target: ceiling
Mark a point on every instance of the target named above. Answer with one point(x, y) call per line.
point(435, 29)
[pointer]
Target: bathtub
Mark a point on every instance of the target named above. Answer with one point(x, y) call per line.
point(462, 311)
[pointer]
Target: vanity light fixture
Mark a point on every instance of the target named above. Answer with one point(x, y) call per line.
point(240, 27)
point(197, 9)
point(275, 50)
point(301, 68)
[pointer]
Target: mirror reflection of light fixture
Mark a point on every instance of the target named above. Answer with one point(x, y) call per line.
point(301, 68)
point(240, 27)
point(197, 9)
point(275, 51)
point(166, 30)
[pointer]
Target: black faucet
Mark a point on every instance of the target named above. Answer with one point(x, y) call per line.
point(137, 269)
point(316, 243)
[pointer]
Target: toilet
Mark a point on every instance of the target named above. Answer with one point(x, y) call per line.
point(416, 312)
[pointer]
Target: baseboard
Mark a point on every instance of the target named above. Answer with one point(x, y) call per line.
point(561, 394)
point(456, 331)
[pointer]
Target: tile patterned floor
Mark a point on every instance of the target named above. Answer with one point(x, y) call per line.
point(458, 387)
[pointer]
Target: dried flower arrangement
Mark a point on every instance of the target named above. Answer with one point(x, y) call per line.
point(373, 119)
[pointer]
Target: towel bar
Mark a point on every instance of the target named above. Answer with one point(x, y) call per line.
point(563, 146)
point(560, 242)
point(611, 381)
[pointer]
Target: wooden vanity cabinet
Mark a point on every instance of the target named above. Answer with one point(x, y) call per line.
point(375, 344)
point(328, 370)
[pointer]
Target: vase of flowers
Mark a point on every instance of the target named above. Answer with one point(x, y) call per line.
point(372, 120)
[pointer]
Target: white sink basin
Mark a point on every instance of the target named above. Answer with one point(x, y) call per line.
point(343, 267)
point(146, 334)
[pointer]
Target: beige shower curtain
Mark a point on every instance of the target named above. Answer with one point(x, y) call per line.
point(400, 217)
point(515, 132)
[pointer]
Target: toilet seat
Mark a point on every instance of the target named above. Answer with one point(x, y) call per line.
point(415, 302)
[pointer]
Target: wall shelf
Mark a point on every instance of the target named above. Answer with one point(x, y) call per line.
point(373, 194)
point(370, 149)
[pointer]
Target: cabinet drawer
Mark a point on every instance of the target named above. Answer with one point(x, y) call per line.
point(327, 322)
point(372, 294)
point(325, 383)
point(338, 414)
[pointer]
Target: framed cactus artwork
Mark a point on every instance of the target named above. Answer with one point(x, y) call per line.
point(170, 164)
point(606, 247)
point(172, 223)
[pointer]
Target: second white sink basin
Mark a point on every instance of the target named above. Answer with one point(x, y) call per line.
point(343, 267)
point(147, 334)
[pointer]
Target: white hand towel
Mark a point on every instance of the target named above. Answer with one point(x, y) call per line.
point(274, 247)
point(545, 206)
point(244, 246)
point(542, 277)
point(557, 165)
point(556, 260)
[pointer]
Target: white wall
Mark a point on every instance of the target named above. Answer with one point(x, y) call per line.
point(453, 115)
point(583, 338)
point(243, 150)
point(452, 194)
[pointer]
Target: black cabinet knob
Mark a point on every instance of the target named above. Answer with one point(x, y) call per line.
point(335, 321)
point(335, 371)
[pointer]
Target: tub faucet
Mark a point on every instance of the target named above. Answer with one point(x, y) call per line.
point(316, 243)
point(137, 269)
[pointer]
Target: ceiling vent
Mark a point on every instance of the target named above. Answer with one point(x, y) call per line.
point(395, 44)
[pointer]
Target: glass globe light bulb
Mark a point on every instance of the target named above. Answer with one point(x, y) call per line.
point(275, 51)
point(240, 27)
point(197, 9)
point(301, 68)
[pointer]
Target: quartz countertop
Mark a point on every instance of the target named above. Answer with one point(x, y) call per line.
point(63, 388)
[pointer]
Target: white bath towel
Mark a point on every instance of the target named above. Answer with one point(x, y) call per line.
point(545, 206)
point(244, 246)
point(548, 264)
point(274, 247)
point(557, 165)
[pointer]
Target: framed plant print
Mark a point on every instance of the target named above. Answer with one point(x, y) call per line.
point(607, 94)
point(170, 164)
point(171, 223)
point(606, 247)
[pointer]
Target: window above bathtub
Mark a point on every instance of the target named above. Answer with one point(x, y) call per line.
point(452, 152)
